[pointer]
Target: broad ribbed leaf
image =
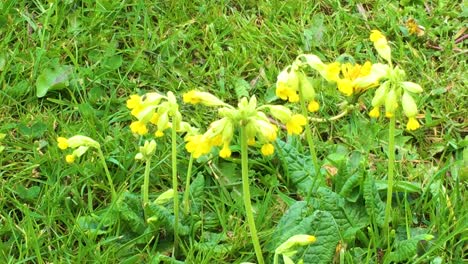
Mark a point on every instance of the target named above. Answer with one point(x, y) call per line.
point(197, 193)
point(292, 223)
point(324, 228)
point(374, 206)
point(299, 168)
point(406, 249)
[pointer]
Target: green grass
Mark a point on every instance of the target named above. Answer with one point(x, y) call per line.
point(119, 48)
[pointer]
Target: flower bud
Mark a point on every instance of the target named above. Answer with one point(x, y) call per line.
point(280, 112)
point(307, 89)
point(78, 141)
point(380, 94)
point(391, 103)
point(412, 87)
point(409, 105)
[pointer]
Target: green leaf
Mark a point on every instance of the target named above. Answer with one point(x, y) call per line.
point(131, 212)
point(351, 184)
point(406, 249)
point(91, 224)
point(163, 218)
point(324, 228)
point(241, 87)
point(54, 78)
point(298, 167)
point(346, 214)
point(293, 222)
point(28, 194)
point(35, 131)
point(197, 193)
point(374, 206)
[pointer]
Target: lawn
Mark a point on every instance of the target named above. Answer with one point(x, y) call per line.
point(143, 131)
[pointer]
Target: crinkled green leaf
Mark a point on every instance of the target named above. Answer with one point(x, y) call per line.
point(293, 222)
point(347, 215)
point(163, 218)
point(91, 224)
point(400, 186)
point(131, 211)
point(406, 249)
point(298, 167)
point(374, 206)
point(197, 193)
point(325, 229)
point(241, 87)
point(351, 184)
point(54, 78)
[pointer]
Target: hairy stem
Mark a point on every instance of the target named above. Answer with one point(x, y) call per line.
point(175, 184)
point(390, 174)
point(246, 196)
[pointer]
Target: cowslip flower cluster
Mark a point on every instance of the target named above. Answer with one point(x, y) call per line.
point(292, 83)
point(156, 109)
point(351, 78)
point(79, 143)
point(258, 127)
point(395, 89)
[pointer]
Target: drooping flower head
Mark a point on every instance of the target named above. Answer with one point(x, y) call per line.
point(79, 143)
point(258, 127)
point(381, 45)
point(395, 91)
point(155, 109)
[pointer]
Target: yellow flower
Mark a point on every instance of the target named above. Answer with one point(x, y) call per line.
point(196, 97)
point(357, 78)
point(287, 85)
point(77, 141)
point(70, 158)
point(412, 124)
point(331, 71)
point(381, 44)
point(375, 112)
point(158, 133)
point(225, 151)
point(296, 124)
point(251, 141)
point(62, 143)
point(313, 106)
point(139, 128)
point(149, 109)
point(197, 145)
point(134, 101)
point(267, 149)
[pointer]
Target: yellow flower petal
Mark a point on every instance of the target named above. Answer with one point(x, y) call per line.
point(296, 124)
point(139, 128)
point(225, 151)
point(412, 124)
point(134, 101)
point(70, 158)
point(375, 112)
point(62, 143)
point(313, 106)
point(267, 149)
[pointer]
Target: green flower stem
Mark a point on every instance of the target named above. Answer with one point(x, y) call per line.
point(390, 174)
point(174, 184)
point(333, 118)
point(109, 177)
point(187, 186)
point(145, 190)
point(308, 131)
point(246, 195)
